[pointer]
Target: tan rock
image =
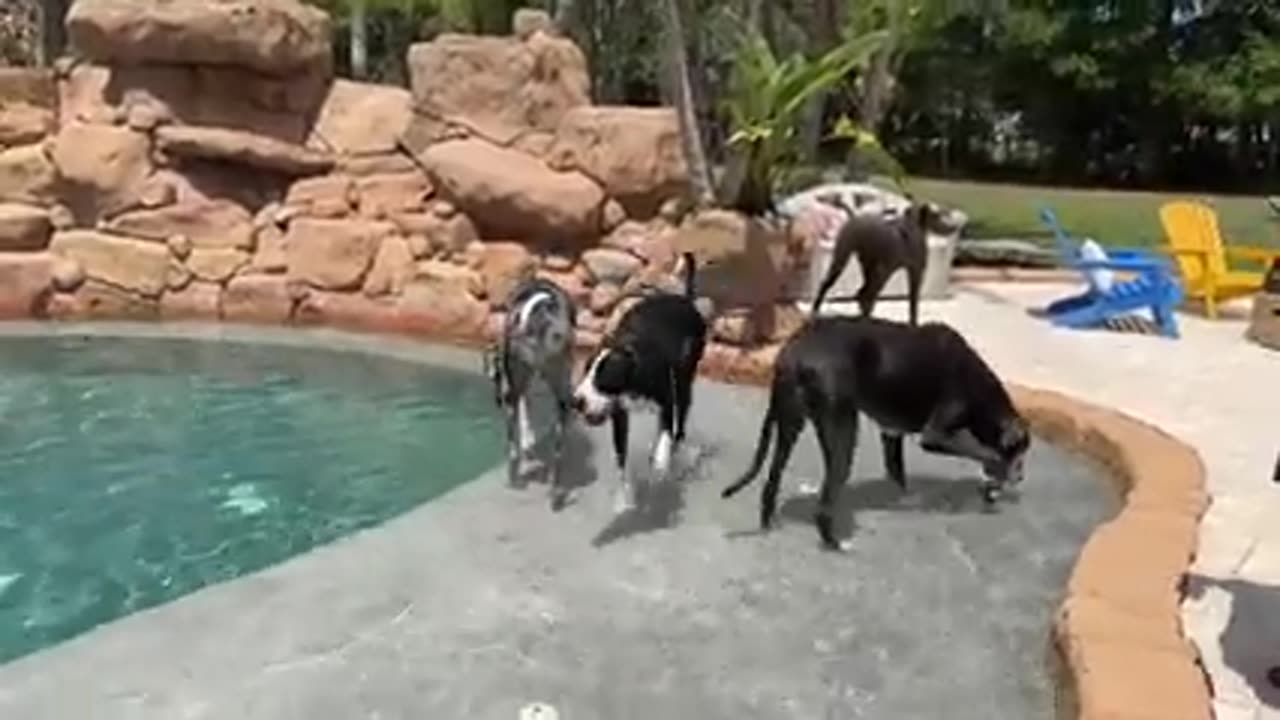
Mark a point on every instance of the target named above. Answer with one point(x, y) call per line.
point(24, 227)
point(499, 87)
point(577, 290)
point(179, 276)
point(61, 217)
point(634, 153)
point(199, 300)
point(26, 282)
point(67, 274)
point(33, 86)
point(383, 163)
point(224, 97)
point(180, 246)
point(270, 256)
point(97, 300)
point(28, 98)
point(443, 234)
point(325, 196)
point(504, 265)
point(208, 224)
point(108, 166)
point(216, 265)
point(742, 262)
point(27, 175)
point(537, 144)
point(237, 146)
point(158, 190)
point(612, 215)
point(393, 268)
point(672, 211)
point(557, 263)
point(258, 299)
point(603, 297)
point(383, 196)
point(511, 194)
point(135, 265)
point(648, 241)
point(751, 328)
point(608, 265)
point(23, 123)
point(444, 208)
point(361, 118)
point(419, 246)
point(274, 37)
point(438, 310)
point(348, 310)
point(333, 254)
point(463, 279)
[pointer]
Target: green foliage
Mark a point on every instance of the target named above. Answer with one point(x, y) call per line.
point(765, 102)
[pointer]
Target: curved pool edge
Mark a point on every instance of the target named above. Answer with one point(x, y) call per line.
point(1118, 632)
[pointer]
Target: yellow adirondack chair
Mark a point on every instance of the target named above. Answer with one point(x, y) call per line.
point(1196, 245)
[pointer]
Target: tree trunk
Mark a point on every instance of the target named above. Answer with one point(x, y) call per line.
point(826, 32)
point(695, 155)
point(359, 41)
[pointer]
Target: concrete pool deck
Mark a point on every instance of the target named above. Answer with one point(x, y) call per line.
point(1206, 390)
point(484, 600)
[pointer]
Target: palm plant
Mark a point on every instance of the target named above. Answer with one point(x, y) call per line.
point(765, 108)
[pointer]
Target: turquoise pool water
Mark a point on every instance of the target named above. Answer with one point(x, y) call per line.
point(136, 470)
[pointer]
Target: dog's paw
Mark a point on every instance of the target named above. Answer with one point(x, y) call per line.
point(809, 487)
point(622, 501)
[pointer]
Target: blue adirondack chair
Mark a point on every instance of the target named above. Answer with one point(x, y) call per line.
point(1154, 286)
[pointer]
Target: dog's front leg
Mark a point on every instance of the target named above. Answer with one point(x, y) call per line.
point(514, 441)
point(623, 500)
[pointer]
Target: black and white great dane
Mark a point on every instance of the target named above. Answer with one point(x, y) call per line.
point(651, 356)
point(536, 341)
point(908, 379)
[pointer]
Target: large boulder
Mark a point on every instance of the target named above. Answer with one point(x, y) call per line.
point(208, 225)
point(362, 118)
point(104, 167)
point(393, 268)
point(24, 227)
point(333, 254)
point(138, 266)
point(633, 152)
point(273, 37)
point(223, 97)
point(498, 87)
point(245, 148)
point(510, 194)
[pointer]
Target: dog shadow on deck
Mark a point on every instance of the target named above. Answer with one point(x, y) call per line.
point(576, 466)
point(925, 494)
point(659, 503)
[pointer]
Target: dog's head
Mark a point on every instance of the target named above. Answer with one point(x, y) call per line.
point(930, 217)
point(1010, 451)
point(609, 374)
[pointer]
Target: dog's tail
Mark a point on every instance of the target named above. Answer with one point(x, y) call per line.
point(762, 451)
point(690, 273)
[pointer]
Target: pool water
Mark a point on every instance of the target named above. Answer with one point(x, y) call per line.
point(136, 470)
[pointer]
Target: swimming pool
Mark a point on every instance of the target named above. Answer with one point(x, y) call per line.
point(134, 470)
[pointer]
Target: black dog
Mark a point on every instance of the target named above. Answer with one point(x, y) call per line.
point(907, 379)
point(883, 245)
point(653, 356)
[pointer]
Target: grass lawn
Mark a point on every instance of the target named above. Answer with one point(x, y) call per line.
point(1113, 218)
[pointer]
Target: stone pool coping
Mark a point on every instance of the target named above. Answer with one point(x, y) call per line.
point(1118, 632)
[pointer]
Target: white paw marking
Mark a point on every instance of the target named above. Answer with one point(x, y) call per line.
point(662, 453)
point(622, 501)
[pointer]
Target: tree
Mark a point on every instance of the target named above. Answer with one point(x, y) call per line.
point(695, 153)
point(766, 102)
